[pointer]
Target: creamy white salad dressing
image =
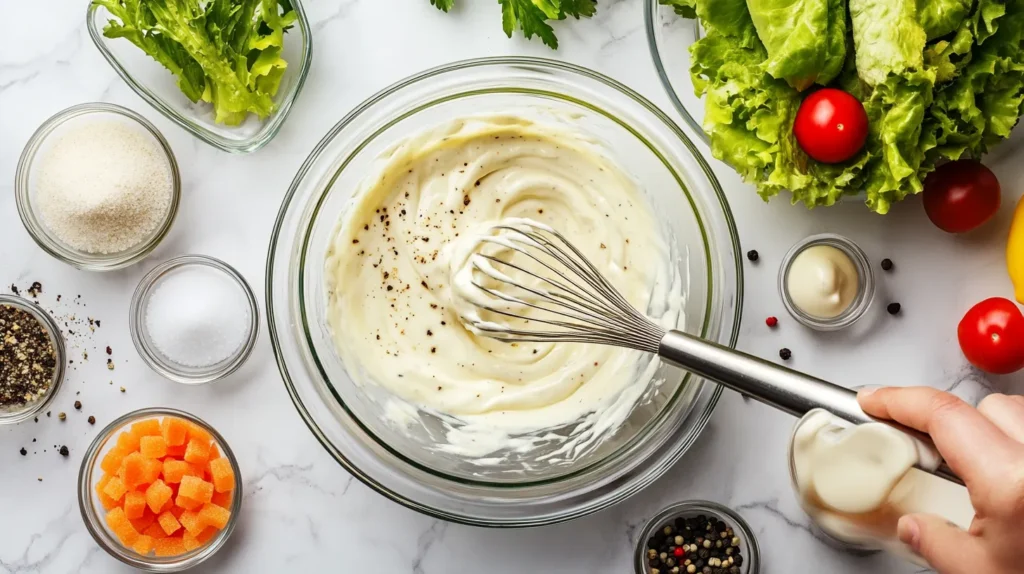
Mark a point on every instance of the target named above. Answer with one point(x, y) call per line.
point(415, 222)
point(857, 481)
point(822, 281)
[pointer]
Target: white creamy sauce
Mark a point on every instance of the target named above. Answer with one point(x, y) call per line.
point(407, 236)
point(857, 481)
point(822, 281)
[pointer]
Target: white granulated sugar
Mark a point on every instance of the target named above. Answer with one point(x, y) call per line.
point(104, 186)
point(197, 317)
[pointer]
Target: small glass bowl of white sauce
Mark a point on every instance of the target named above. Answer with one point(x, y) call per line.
point(843, 259)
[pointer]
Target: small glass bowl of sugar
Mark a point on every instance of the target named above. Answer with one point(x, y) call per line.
point(194, 319)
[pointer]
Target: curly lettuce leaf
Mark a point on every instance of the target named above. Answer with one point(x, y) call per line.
point(225, 52)
point(941, 17)
point(887, 38)
point(805, 39)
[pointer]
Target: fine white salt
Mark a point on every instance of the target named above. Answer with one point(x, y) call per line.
point(197, 317)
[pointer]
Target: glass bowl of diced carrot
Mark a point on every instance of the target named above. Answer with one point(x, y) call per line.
point(159, 490)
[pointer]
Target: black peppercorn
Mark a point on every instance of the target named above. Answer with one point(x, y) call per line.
point(64, 451)
point(893, 308)
point(785, 354)
point(78, 405)
point(753, 255)
point(887, 265)
point(23, 451)
point(92, 420)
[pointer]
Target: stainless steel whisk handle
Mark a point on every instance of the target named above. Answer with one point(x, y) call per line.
point(783, 388)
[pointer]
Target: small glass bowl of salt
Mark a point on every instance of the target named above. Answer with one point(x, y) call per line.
point(194, 319)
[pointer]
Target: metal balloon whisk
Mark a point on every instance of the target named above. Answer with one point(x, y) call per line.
point(553, 293)
point(576, 304)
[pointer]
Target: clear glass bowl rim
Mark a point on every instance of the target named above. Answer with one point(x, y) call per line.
point(60, 352)
point(94, 522)
point(650, 23)
point(36, 228)
point(152, 358)
point(729, 241)
point(260, 138)
point(690, 507)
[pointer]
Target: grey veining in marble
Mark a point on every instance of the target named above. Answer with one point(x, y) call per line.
point(302, 512)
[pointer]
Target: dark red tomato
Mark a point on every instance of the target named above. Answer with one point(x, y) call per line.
point(831, 125)
point(991, 336)
point(961, 195)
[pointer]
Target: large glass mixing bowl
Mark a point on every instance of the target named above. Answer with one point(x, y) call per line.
point(402, 463)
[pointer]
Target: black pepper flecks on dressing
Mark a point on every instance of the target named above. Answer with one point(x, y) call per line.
point(390, 302)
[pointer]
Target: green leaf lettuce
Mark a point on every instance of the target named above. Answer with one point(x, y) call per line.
point(226, 52)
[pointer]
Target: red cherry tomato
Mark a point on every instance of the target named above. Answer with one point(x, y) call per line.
point(991, 336)
point(961, 195)
point(831, 125)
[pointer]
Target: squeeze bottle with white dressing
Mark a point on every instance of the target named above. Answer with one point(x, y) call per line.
point(856, 481)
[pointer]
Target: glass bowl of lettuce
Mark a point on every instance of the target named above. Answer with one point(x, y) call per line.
point(940, 80)
point(228, 71)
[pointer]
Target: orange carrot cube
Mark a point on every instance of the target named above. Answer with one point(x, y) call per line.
point(105, 499)
point(157, 495)
point(213, 515)
point(111, 462)
point(133, 471)
point(127, 442)
point(119, 523)
point(197, 452)
point(147, 519)
point(174, 470)
point(168, 522)
point(199, 433)
point(155, 531)
point(115, 488)
point(134, 504)
point(153, 446)
point(187, 503)
point(174, 431)
point(148, 427)
point(207, 535)
point(170, 546)
point(222, 499)
point(192, 522)
point(143, 545)
point(151, 469)
point(176, 451)
point(214, 451)
point(190, 542)
point(222, 474)
point(196, 489)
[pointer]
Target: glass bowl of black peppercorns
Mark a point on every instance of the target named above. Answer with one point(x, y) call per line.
point(697, 537)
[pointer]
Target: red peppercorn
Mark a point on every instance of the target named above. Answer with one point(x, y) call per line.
point(771, 321)
point(678, 551)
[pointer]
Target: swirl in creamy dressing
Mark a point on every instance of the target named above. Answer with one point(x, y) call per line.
point(410, 226)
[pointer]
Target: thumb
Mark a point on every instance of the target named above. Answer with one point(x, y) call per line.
point(946, 546)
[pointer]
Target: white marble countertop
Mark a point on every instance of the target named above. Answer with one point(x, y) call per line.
point(302, 512)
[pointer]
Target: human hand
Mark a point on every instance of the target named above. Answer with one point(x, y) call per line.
point(985, 447)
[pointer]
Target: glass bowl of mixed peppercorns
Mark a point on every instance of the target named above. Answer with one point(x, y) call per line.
point(32, 358)
point(697, 537)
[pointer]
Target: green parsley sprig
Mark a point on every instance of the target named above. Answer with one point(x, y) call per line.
point(532, 16)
